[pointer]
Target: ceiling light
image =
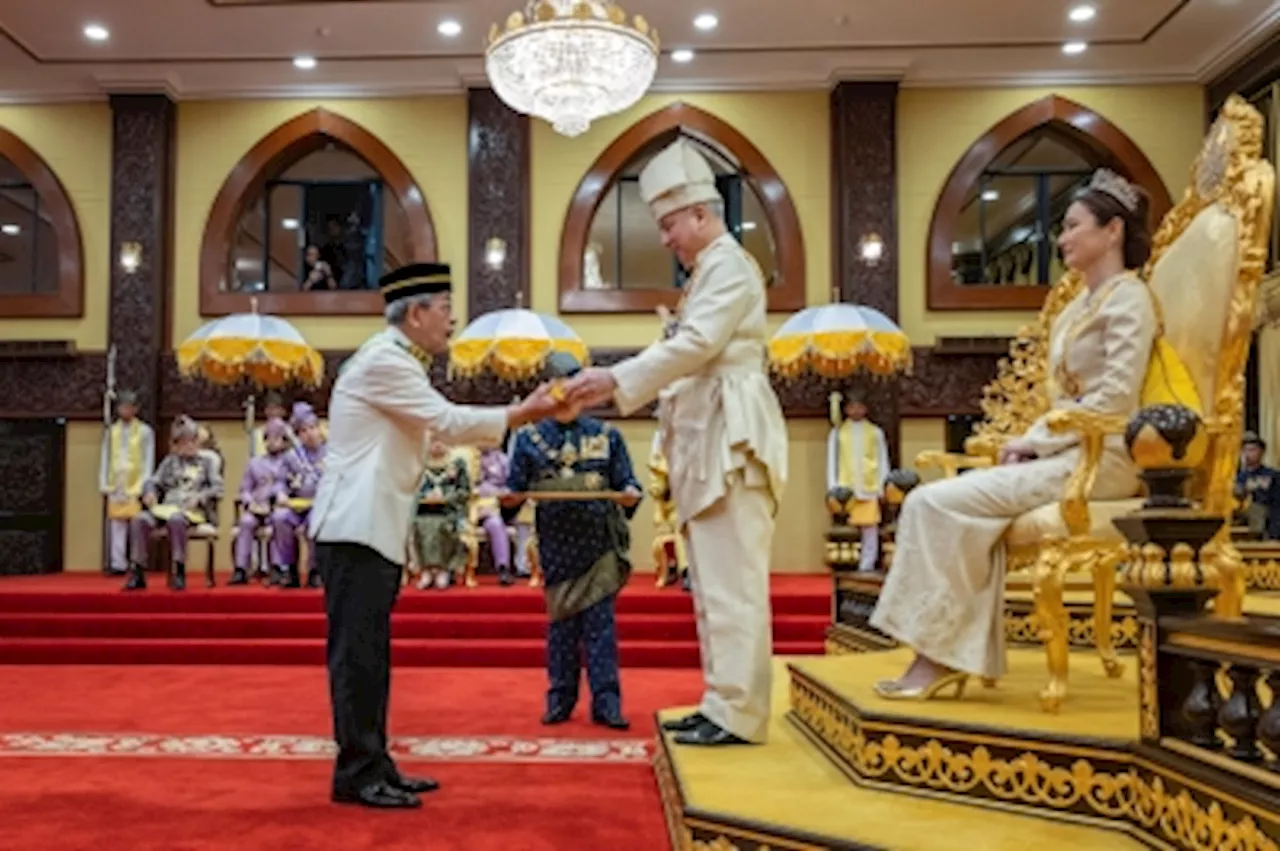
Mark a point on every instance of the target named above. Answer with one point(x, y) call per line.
point(1074, 48)
point(684, 54)
point(449, 28)
point(1080, 14)
point(96, 32)
point(10, 230)
point(289, 224)
point(748, 225)
point(990, 195)
point(304, 63)
point(706, 21)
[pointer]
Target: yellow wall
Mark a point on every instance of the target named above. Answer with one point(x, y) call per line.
point(428, 134)
point(75, 141)
point(937, 126)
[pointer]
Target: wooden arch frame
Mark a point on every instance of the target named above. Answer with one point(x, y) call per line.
point(651, 130)
point(286, 144)
point(68, 300)
point(1104, 139)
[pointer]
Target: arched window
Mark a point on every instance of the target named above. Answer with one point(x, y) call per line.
point(611, 260)
point(309, 220)
point(41, 255)
point(993, 240)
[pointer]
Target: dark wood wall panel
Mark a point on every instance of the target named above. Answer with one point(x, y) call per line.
point(497, 202)
point(864, 197)
point(142, 164)
point(32, 481)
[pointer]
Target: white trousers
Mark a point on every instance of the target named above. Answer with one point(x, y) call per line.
point(730, 545)
point(118, 535)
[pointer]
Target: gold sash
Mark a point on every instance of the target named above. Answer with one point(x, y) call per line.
point(164, 512)
point(869, 449)
point(128, 469)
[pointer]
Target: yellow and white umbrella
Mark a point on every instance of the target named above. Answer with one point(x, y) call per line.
point(837, 340)
point(513, 344)
point(265, 350)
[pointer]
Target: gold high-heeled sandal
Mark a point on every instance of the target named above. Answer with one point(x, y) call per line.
point(890, 690)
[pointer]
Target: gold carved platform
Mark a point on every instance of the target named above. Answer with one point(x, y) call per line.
point(997, 752)
point(789, 795)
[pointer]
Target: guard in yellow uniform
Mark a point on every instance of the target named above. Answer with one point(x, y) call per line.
point(858, 459)
point(128, 460)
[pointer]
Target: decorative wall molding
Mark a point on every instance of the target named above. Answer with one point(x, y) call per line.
point(497, 202)
point(68, 299)
point(656, 129)
point(1108, 142)
point(142, 185)
point(288, 143)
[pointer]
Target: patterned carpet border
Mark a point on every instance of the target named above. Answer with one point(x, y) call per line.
point(505, 749)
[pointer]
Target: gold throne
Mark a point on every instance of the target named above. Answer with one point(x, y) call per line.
point(1208, 256)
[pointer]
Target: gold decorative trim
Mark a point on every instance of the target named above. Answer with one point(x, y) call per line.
point(1148, 683)
point(1225, 647)
point(1024, 628)
point(1261, 574)
point(1125, 793)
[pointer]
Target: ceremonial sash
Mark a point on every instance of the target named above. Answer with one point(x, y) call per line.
point(126, 471)
point(855, 446)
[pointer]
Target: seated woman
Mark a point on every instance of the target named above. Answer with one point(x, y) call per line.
point(944, 596)
point(442, 509)
point(181, 494)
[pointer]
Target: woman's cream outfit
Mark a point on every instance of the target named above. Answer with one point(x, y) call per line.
point(944, 596)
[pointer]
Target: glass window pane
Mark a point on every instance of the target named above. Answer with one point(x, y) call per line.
point(600, 260)
point(28, 246)
point(757, 236)
point(645, 263)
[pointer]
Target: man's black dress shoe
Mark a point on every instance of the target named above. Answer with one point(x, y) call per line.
point(380, 796)
point(688, 722)
point(612, 720)
point(415, 785)
point(708, 734)
point(559, 715)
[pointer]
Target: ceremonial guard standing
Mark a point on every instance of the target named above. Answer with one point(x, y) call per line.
point(382, 411)
point(724, 437)
point(583, 546)
point(128, 460)
point(858, 460)
point(303, 467)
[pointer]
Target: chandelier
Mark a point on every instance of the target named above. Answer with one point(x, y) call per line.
point(571, 62)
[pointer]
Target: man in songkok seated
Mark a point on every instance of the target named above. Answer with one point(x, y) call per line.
point(181, 494)
point(303, 467)
point(442, 510)
point(262, 489)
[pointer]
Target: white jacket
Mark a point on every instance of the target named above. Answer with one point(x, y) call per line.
point(382, 412)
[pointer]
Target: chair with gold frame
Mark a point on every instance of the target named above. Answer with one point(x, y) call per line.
point(473, 534)
point(1207, 260)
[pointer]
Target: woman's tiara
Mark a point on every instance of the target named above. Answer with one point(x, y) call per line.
point(1106, 180)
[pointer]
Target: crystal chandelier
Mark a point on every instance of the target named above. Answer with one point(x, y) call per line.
point(571, 62)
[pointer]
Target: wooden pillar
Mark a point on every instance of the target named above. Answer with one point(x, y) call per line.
point(142, 166)
point(864, 196)
point(497, 203)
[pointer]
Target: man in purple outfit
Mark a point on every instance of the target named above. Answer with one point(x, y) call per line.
point(492, 485)
point(303, 467)
point(261, 489)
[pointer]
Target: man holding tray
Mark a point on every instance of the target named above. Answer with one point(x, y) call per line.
point(583, 544)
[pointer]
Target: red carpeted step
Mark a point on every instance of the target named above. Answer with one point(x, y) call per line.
point(168, 626)
point(443, 653)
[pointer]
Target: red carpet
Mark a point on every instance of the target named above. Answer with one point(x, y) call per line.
point(508, 781)
point(86, 619)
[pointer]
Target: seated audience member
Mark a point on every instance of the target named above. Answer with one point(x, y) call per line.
point(181, 494)
point(262, 490)
point(442, 510)
point(1259, 486)
point(492, 485)
point(303, 467)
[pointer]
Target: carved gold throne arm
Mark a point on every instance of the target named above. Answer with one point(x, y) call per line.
point(951, 463)
point(1093, 429)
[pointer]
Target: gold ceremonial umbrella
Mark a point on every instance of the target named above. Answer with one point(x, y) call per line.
point(837, 340)
point(265, 350)
point(513, 344)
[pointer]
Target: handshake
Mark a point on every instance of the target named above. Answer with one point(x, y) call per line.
point(564, 397)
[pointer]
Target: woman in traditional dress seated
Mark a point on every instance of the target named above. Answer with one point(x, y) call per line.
point(944, 596)
point(442, 510)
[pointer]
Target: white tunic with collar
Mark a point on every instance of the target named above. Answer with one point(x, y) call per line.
point(382, 412)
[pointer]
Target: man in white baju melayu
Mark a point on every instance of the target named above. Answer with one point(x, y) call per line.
point(944, 596)
point(724, 437)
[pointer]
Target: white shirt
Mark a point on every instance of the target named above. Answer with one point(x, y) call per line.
point(382, 412)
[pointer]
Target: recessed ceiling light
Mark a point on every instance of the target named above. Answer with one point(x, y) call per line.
point(96, 32)
point(304, 63)
point(449, 28)
point(706, 21)
point(748, 225)
point(1080, 14)
point(10, 230)
point(684, 54)
point(990, 195)
point(1074, 48)
point(289, 224)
